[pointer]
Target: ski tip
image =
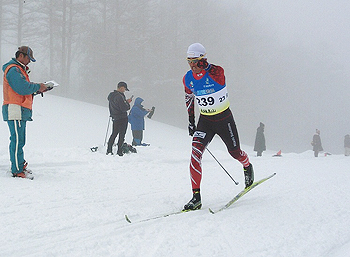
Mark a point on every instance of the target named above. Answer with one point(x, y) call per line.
point(211, 211)
point(127, 218)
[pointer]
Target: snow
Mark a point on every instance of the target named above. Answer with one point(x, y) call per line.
point(76, 204)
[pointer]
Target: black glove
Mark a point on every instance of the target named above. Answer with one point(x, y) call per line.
point(191, 129)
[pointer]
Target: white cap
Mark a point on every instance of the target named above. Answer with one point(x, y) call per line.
point(196, 50)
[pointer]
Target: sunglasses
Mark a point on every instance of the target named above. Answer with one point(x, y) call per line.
point(195, 60)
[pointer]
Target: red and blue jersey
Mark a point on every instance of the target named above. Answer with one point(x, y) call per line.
point(208, 88)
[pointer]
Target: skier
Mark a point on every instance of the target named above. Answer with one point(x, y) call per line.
point(118, 107)
point(17, 106)
point(260, 145)
point(137, 121)
point(316, 143)
point(205, 85)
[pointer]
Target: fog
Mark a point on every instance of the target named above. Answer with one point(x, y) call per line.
point(286, 62)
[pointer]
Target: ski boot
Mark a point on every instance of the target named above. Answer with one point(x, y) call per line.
point(248, 175)
point(195, 203)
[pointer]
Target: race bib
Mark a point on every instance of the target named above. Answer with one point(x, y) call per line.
point(212, 103)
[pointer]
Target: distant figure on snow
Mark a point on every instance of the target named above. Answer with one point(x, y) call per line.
point(347, 144)
point(118, 107)
point(316, 143)
point(278, 154)
point(137, 121)
point(260, 145)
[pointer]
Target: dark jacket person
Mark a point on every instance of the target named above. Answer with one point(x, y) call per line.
point(260, 145)
point(118, 107)
point(316, 143)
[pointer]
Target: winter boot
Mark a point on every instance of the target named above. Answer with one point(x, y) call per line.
point(23, 174)
point(120, 152)
point(25, 165)
point(195, 203)
point(249, 175)
point(109, 150)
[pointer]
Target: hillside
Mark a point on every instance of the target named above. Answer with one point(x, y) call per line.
point(76, 204)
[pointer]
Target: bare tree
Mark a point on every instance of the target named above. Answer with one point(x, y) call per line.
point(1, 22)
point(20, 22)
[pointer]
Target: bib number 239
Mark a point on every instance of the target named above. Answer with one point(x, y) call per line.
point(205, 101)
point(209, 101)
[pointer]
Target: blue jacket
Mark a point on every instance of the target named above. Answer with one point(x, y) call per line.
point(137, 115)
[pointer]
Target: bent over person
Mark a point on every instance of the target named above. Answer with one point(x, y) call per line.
point(205, 85)
point(17, 106)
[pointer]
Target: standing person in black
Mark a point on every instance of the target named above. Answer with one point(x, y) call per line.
point(347, 145)
point(316, 143)
point(260, 144)
point(118, 107)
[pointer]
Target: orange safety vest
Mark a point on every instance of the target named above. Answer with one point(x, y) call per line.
point(10, 96)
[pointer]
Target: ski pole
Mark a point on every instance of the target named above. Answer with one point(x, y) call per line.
point(109, 121)
point(222, 167)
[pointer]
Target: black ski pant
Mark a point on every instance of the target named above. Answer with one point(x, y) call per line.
point(224, 126)
point(119, 127)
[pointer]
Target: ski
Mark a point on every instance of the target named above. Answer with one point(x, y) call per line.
point(156, 217)
point(240, 194)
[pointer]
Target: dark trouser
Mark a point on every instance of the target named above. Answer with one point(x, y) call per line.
point(222, 125)
point(316, 153)
point(137, 137)
point(119, 127)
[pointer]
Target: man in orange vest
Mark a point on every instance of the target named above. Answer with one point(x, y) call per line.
point(17, 106)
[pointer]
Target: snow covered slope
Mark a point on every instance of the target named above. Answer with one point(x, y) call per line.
point(76, 204)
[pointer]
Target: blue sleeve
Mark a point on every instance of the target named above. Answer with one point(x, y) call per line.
point(19, 83)
point(138, 112)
